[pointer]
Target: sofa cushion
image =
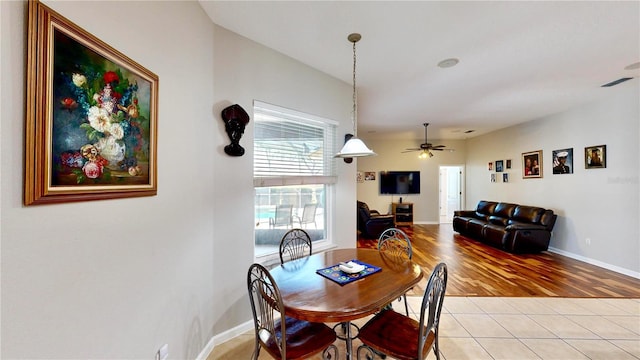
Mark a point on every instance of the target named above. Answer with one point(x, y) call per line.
point(548, 219)
point(495, 235)
point(363, 206)
point(497, 220)
point(504, 210)
point(528, 214)
point(485, 208)
point(474, 227)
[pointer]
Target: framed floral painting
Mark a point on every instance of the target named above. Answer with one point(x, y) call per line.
point(91, 124)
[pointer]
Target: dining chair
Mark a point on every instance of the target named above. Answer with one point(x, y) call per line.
point(401, 337)
point(395, 243)
point(281, 336)
point(308, 215)
point(295, 244)
point(283, 216)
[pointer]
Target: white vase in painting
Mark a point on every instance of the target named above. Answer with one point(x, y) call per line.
point(112, 150)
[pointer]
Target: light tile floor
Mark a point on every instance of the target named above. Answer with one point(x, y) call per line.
point(515, 328)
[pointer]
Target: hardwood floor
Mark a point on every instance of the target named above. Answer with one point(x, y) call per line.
point(476, 269)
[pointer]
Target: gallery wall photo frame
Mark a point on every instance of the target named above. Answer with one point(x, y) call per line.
point(562, 161)
point(508, 163)
point(532, 164)
point(91, 116)
point(499, 165)
point(595, 157)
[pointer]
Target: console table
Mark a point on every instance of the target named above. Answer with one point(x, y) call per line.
point(402, 213)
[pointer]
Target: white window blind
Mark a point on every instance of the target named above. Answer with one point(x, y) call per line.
point(292, 148)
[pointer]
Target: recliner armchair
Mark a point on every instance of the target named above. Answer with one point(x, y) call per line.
point(371, 223)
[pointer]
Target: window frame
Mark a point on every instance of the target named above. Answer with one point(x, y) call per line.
point(328, 177)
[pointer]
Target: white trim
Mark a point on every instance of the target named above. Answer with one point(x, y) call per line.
point(224, 337)
point(293, 180)
point(292, 114)
point(206, 351)
point(596, 263)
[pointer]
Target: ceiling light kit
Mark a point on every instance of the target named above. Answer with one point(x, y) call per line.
point(354, 147)
point(426, 147)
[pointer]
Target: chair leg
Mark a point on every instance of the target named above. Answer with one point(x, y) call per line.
point(436, 347)
point(256, 351)
point(406, 306)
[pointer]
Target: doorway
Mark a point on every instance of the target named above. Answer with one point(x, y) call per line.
point(451, 187)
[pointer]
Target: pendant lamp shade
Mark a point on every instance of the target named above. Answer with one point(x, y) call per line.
point(354, 147)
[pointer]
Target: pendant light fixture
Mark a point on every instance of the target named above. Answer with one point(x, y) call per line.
point(354, 147)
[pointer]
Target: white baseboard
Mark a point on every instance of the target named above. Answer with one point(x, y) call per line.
point(224, 337)
point(596, 263)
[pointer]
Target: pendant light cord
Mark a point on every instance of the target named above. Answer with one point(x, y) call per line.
point(355, 108)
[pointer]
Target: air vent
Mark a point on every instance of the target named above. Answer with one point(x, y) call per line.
point(616, 82)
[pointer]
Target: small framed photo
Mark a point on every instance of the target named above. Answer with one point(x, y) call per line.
point(595, 157)
point(499, 165)
point(532, 164)
point(493, 177)
point(360, 176)
point(490, 166)
point(505, 177)
point(369, 175)
point(562, 161)
point(508, 163)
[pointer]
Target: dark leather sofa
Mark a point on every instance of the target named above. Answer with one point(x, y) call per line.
point(371, 223)
point(511, 227)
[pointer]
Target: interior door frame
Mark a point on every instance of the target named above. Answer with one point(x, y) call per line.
point(461, 174)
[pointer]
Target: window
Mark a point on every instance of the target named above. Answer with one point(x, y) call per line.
point(293, 175)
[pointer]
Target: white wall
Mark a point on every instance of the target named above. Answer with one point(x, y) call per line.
point(119, 278)
point(391, 158)
point(245, 71)
point(115, 278)
point(596, 204)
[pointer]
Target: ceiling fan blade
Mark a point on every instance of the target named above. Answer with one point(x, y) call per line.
point(410, 150)
point(438, 146)
point(434, 149)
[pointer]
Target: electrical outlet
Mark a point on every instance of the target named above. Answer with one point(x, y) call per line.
point(163, 353)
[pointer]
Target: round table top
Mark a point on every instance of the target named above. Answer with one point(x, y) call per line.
point(312, 297)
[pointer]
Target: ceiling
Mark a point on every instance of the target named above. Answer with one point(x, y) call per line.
point(518, 60)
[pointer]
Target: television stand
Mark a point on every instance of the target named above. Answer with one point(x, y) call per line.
point(402, 213)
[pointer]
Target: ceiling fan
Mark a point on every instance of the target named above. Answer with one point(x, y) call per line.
point(426, 147)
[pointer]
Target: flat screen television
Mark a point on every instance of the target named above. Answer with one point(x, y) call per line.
point(399, 182)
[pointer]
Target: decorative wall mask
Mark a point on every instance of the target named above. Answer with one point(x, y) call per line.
point(235, 119)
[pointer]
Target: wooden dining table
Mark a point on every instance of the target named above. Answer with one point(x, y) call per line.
point(310, 296)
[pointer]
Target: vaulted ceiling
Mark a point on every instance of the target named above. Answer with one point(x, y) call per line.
point(518, 61)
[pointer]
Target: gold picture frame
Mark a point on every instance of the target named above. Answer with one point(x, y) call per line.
point(595, 157)
point(532, 164)
point(91, 116)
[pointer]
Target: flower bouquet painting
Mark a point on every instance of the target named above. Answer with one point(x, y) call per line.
point(92, 117)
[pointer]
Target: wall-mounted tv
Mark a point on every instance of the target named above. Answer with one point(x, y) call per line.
point(399, 182)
